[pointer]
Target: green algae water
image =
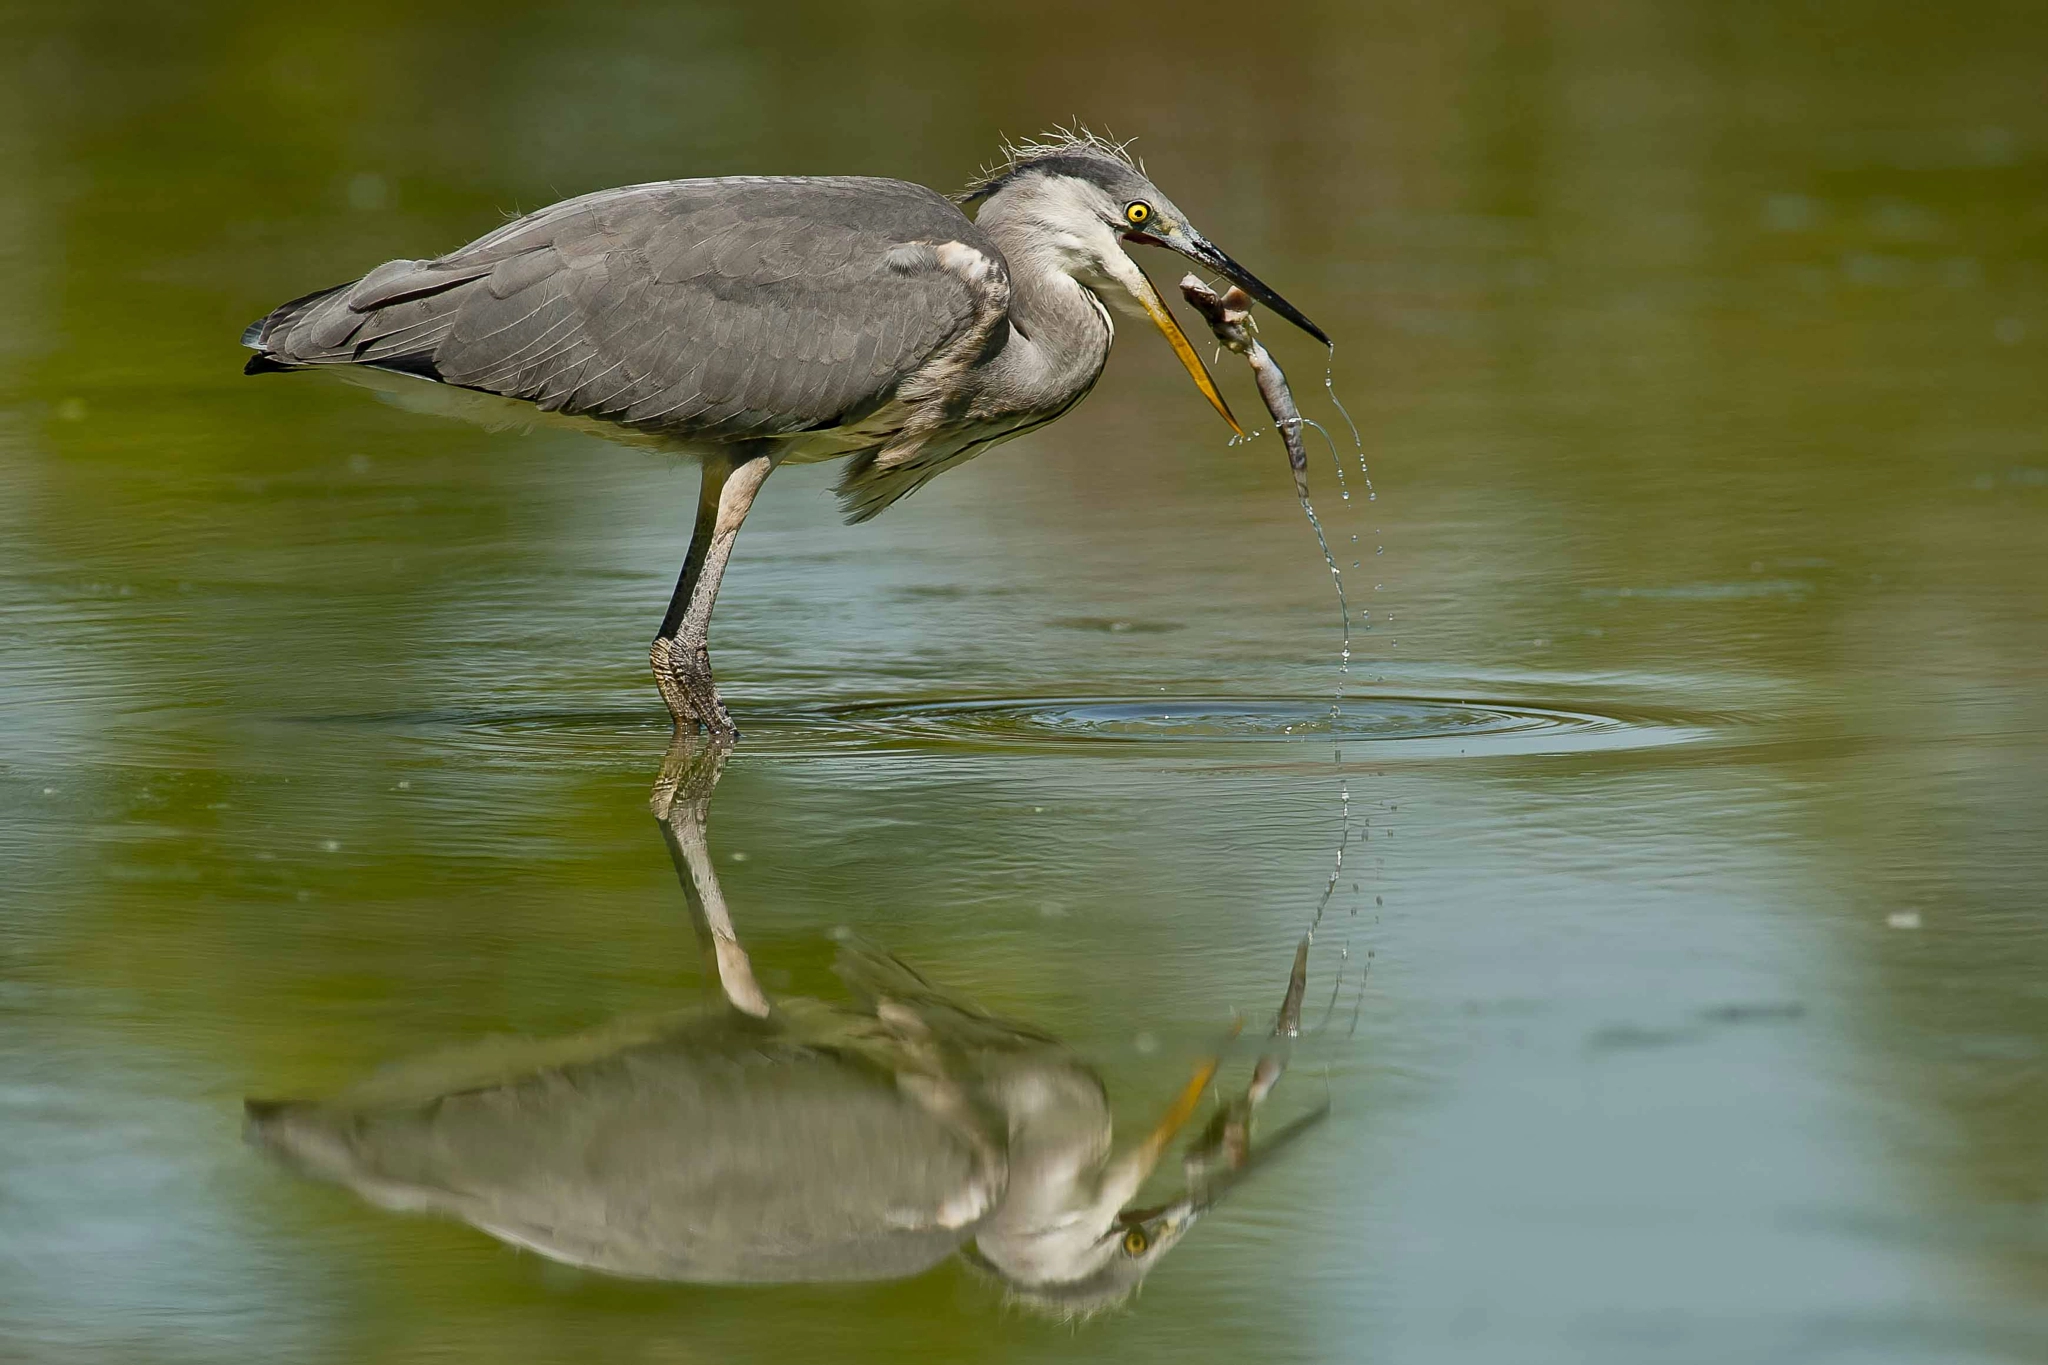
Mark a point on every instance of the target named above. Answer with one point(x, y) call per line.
point(1693, 827)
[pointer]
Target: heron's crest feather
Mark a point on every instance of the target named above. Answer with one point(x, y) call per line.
point(1021, 155)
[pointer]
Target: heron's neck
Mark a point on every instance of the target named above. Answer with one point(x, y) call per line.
point(1059, 1134)
point(1060, 331)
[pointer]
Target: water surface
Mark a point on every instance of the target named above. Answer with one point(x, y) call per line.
point(1688, 782)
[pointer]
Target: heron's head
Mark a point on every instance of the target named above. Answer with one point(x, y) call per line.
point(1101, 1274)
point(1103, 1270)
point(1078, 201)
point(1092, 1250)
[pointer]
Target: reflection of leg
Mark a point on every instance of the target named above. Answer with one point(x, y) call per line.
point(682, 802)
point(681, 654)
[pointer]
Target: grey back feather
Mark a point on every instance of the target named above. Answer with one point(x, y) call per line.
point(707, 310)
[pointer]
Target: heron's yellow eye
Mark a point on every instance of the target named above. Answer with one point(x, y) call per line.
point(1137, 213)
point(1134, 1240)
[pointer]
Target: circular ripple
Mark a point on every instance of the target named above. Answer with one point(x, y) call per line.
point(1410, 725)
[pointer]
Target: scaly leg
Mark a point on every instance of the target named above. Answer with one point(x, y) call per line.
point(681, 655)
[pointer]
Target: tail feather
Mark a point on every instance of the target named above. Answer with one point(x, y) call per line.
point(258, 334)
point(285, 314)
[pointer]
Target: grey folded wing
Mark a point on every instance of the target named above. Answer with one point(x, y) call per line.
point(712, 309)
point(693, 1159)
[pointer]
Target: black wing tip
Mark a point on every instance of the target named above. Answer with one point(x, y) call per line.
point(419, 365)
point(265, 363)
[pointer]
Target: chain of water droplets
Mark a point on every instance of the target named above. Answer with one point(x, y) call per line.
point(1362, 830)
point(1345, 837)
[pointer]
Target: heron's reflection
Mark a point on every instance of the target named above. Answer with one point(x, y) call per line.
point(792, 1140)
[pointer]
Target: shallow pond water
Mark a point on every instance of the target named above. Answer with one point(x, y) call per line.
point(1683, 796)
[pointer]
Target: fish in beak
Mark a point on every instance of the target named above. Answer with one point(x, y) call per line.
point(1202, 251)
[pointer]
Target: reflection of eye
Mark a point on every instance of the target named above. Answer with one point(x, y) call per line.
point(1134, 1240)
point(1137, 212)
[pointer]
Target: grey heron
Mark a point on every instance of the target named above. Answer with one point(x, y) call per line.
point(759, 1141)
point(753, 321)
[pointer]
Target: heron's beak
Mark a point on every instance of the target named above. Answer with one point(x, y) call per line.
point(1155, 308)
point(1202, 251)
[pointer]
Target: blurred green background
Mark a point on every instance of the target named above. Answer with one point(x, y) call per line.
point(1697, 350)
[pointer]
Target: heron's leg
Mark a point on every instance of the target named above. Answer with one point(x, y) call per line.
point(711, 481)
point(682, 802)
point(681, 655)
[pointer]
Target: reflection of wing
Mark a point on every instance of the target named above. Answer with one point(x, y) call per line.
point(721, 1152)
point(717, 309)
point(874, 976)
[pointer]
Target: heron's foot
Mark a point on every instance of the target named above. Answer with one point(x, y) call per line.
point(684, 676)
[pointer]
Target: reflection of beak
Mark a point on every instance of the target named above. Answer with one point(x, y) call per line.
point(1177, 1115)
point(1202, 251)
point(1130, 1171)
point(1270, 1147)
point(1155, 308)
point(1193, 1203)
